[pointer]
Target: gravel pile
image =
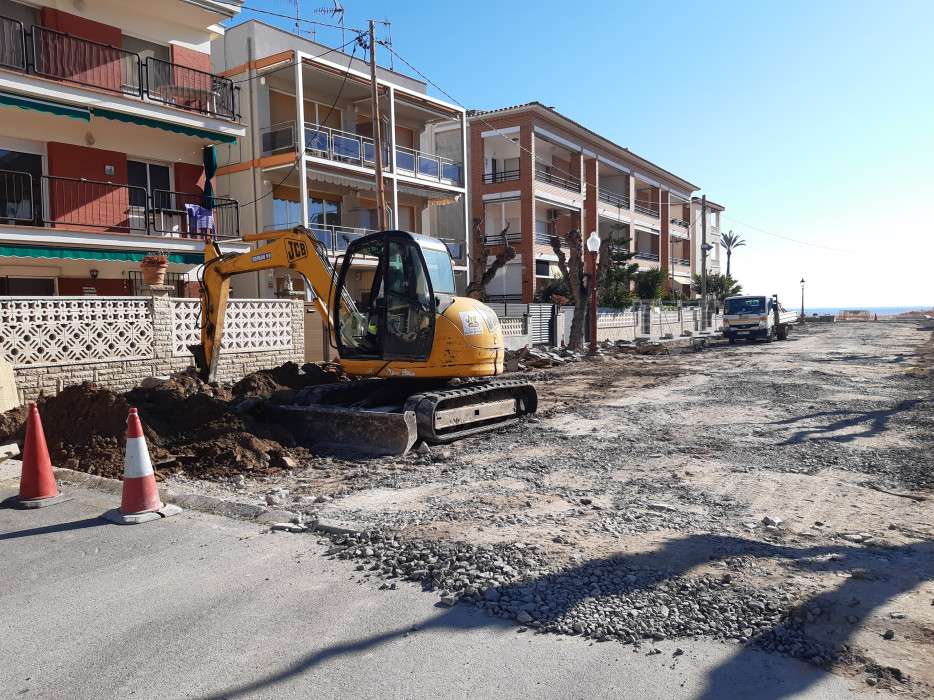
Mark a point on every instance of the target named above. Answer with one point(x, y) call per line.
point(601, 600)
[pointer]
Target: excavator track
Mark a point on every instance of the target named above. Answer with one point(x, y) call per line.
point(385, 417)
point(453, 413)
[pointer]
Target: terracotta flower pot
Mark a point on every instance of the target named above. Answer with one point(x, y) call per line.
point(153, 274)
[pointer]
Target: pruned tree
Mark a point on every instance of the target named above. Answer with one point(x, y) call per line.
point(578, 280)
point(483, 271)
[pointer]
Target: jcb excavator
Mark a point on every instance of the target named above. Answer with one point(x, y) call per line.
point(392, 314)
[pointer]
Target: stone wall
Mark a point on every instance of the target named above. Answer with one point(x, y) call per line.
point(122, 363)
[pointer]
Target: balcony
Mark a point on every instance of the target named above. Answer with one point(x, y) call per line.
point(502, 176)
point(344, 147)
point(545, 239)
point(684, 262)
point(497, 239)
point(647, 212)
point(619, 201)
point(335, 239)
point(58, 56)
point(63, 202)
point(572, 184)
point(646, 256)
point(679, 222)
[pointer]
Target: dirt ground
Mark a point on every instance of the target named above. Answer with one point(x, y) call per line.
point(783, 467)
point(675, 461)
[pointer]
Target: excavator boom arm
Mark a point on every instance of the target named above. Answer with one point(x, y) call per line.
point(297, 249)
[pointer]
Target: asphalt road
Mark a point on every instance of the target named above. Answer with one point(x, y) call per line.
point(202, 606)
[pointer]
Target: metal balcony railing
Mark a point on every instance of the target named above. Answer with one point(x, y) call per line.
point(188, 88)
point(59, 56)
point(70, 59)
point(648, 212)
point(65, 202)
point(502, 176)
point(184, 214)
point(620, 201)
point(646, 256)
point(496, 239)
point(545, 239)
point(12, 44)
point(681, 261)
point(334, 238)
point(573, 185)
point(679, 222)
point(18, 202)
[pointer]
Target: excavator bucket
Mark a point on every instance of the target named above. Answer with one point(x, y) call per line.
point(336, 428)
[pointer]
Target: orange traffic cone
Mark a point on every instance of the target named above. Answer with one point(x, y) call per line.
point(37, 487)
point(140, 501)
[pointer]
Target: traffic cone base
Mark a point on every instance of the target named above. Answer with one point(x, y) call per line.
point(37, 487)
point(140, 502)
point(28, 503)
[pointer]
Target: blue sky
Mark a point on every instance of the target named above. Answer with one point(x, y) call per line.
point(810, 121)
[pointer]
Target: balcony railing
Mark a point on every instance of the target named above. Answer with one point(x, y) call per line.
point(64, 202)
point(12, 44)
point(620, 201)
point(59, 56)
point(18, 202)
point(646, 256)
point(679, 222)
point(497, 239)
point(573, 185)
point(545, 239)
point(188, 88)
point(681, 261)
point(184, 214)
point(502, 176)
point(334, 238)
point(70, 59)
point(648, 212)
point(345, 147)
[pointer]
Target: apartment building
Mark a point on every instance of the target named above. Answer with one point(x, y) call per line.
point(309, 156)
point(542, 173)
point(713, 236)
point(106, 109)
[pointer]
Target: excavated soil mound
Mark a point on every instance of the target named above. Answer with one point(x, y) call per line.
point(190, 426)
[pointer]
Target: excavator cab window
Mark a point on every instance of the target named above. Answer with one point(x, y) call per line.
point(393, 317)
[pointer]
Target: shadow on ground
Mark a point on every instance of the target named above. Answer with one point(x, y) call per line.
point(881, 575)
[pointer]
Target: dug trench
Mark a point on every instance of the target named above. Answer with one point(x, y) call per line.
point(773, 496)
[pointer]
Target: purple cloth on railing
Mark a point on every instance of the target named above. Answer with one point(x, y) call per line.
point(200, 220)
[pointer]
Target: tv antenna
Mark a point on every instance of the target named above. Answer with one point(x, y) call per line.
point(336, 11)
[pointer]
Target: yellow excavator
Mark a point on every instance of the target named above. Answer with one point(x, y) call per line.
point(424, 357)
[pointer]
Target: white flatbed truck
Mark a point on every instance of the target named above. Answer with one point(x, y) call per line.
point(755, 317)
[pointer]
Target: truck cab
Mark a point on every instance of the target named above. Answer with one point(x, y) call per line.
point(752, 317)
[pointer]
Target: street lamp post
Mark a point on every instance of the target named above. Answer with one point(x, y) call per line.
point(802, 300)
point(593, 245)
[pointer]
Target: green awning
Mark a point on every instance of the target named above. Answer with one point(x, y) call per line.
point(25, 251)
point(10, 99)
point(165, 126)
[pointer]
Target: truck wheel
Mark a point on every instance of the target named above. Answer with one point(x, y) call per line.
point(783, 333)
point(771, 336)
point(732, 341)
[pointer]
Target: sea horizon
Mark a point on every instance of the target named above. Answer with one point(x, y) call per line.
point(877, 310)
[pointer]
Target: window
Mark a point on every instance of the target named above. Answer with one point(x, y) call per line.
point(542, 268)
point(154, 179)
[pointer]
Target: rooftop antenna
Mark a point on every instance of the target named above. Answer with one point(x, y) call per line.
point(392, 65)
point(336, 11)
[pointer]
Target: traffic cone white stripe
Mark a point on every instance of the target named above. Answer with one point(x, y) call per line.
point(138, 464)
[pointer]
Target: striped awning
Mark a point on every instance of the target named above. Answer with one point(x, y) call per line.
point(10, 99)
point(55, 252)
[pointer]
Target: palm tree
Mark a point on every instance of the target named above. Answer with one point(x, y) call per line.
point(729, 242)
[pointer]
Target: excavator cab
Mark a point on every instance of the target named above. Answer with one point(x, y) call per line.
point(398, 283)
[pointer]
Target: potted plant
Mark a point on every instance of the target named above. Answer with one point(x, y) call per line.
point(153, 266)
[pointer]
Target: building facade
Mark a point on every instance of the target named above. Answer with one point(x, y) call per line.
point(310, 152)
point(544, 174)
point(106, 109)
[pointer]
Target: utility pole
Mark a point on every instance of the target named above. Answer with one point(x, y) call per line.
point(378, 155)
point(703, 284)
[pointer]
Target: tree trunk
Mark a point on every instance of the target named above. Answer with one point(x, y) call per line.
point(483, 275)
point(573, 269)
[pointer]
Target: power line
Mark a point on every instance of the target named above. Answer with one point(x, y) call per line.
point(290, 66)
point(794, 240)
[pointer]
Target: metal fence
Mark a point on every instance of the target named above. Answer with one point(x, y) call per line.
point(74, 60)
point(12, 44)
point(188, 88)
